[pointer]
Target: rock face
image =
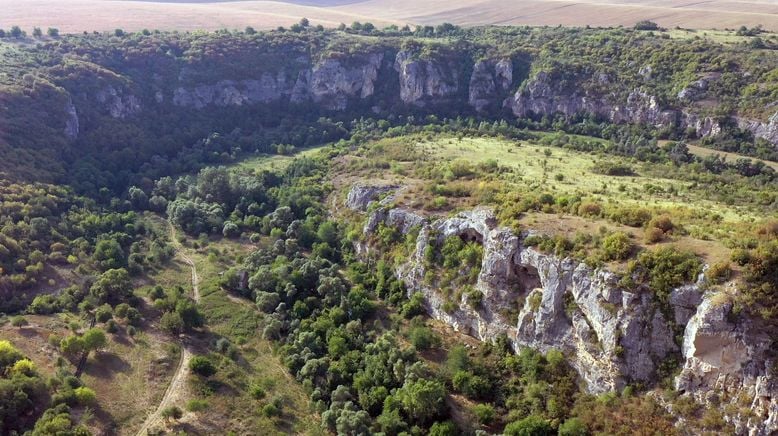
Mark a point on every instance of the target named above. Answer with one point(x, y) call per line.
point(424, 80)
point(71, 120)
point(731, 366)
point(330, 83)
point(360, 196)
point(118, 102)
point(767, 131)
point(489, 83)
point(612, 337)
point(542, 95)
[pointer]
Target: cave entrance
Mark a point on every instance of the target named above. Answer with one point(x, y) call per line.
point(527, 278)
point(471, 235)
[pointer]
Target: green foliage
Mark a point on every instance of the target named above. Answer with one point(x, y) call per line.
point(202, 366)
point(664, 269)
point(617, 246)
point(530, 426)
point(85, 396)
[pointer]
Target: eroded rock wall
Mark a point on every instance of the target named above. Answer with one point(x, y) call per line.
point(611, 336)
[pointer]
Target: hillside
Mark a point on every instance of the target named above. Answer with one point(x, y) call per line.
point(445, 230)
point(79, 15)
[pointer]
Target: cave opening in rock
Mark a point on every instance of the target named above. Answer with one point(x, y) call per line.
point(471, 235)
point(527, 278)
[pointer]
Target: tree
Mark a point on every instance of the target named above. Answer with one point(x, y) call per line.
point(422, 400)
point(19, 321)
point(250, 30)
point(231, 230)
point(530, 426)
point(172, 413)
point(109, 254)
point(94, 339)
point(172, 323)
point(53, 32)
point(113, 287)
point(646, 25)
point(72, 345)
point(118, 32)
point(37, 32)
point(85, 396)
point(446, 428)
point(202, 366)
point(304, 22)
point(573, 427)
point(8, 354)
point(16, 32)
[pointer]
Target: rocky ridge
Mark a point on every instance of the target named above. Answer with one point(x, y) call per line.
point(490, 86)
point(612, 337)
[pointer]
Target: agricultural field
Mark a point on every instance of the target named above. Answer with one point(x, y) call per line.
point(80, 15)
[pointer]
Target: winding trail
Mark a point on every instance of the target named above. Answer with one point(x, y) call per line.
point(178, 383)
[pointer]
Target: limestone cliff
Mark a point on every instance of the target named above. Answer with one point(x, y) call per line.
point(611, 336)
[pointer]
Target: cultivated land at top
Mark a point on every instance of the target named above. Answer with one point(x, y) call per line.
point(80, 15)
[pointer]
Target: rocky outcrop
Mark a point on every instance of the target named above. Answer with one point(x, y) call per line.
point(118, 102)
point(423, 80)
point(764, 130)
point(731, 366)
point(269, 87)
point(360, 196)
point(330, 83)
point(489, 82)
point(611, 336)
point(702, 126)
point(71, 120)
point(542, 95)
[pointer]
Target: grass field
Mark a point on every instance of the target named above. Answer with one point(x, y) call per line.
point(567, 171)
point(729, 157)
point(274, 161)
point(80, 15)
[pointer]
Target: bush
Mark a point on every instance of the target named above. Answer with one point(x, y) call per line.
point(653, 235)
point(446, 428)
point(589, 209)
point(484, 413)
point(617, 246)
point(85, 396)
point(172, 413)
point(202, 366)
point(423, 338)
point(631, 216)
point(573, 427)
point(532, 425)
point(719, 272)
point(663, 223)
point(196, 405)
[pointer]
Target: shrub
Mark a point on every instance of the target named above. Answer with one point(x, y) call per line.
point(532, 425)
point(631, 216)
point(202, 366)
point(446, 428)
point(172, 413)
point(719, 272)
point(196, 405)
point(617, 246)
point(653, 235)
point(19, 321)
point(85, 396)
point(423, 338)
point(665, 269)
point(484, 413)
point(589, 209)
point(663, 223)
point(573, 427)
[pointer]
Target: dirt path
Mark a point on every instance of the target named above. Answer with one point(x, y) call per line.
point(178, 384)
